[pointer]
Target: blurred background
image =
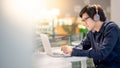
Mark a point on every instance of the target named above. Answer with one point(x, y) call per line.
point(22, 22)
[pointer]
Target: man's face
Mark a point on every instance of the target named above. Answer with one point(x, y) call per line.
point(89, 23)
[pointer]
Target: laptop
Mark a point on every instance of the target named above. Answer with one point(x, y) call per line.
point(48, 49)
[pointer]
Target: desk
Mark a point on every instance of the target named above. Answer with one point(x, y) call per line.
point(45, 61)
point(75, 43)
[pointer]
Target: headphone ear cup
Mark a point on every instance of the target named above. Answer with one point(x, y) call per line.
point(96, 17)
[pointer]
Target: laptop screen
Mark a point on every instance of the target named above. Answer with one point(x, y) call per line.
point(46, 43)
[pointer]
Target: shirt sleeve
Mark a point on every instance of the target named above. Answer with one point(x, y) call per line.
point(109, 42)
point(85, 43)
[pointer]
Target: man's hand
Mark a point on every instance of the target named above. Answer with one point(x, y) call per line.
point(66, 49)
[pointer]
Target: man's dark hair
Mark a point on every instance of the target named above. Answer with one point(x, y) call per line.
point(91, 10)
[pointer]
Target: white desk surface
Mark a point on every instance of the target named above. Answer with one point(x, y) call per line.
point(75, 43)
point(45, 61)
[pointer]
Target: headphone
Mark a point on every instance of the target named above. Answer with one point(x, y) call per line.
point(96, 16)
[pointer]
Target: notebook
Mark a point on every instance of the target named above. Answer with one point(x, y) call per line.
point(48, 49)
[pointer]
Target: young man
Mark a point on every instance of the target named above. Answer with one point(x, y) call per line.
point(102, 42)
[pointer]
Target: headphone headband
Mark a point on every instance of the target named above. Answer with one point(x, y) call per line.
point(96, 17)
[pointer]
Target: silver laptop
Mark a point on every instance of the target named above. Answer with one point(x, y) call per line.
point(48, 49)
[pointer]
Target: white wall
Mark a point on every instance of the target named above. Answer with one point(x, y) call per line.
point(16, 37)
point(115, 11)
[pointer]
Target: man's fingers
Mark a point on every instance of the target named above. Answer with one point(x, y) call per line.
point(65, 49)
point(62, 48)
